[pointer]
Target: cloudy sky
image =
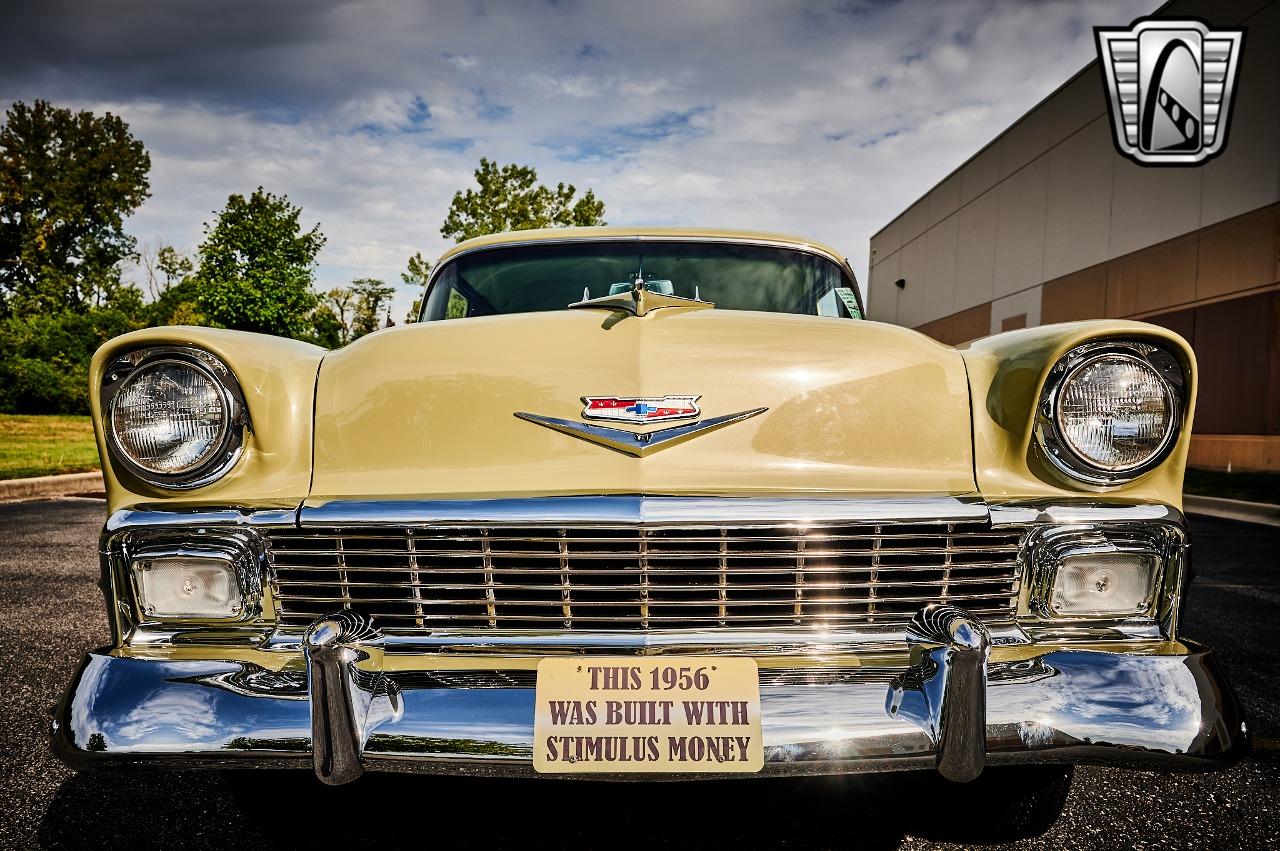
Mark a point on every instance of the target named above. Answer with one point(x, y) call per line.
point(824, 119)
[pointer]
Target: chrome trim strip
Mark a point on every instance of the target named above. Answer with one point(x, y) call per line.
point(635, 508)
point(1089, 510)
point(776, 642)
point(156, 516)
point(690, 511)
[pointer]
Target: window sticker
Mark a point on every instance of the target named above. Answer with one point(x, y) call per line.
point(850, 300)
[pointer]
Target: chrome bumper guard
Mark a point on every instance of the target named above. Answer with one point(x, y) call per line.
point(347, 702)
point(952, 709)
point(945, 692)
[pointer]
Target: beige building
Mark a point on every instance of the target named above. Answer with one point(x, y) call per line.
point(1049, 223)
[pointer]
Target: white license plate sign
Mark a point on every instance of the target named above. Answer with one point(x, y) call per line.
point(611, 715)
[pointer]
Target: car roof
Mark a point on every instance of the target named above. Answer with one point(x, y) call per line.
point(611, 233)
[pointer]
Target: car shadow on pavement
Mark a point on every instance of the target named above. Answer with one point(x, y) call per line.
point(170, 809)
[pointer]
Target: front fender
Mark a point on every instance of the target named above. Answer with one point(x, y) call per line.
point(1006, 374)
point(278, 378)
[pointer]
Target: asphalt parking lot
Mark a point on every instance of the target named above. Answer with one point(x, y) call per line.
point(52, 612)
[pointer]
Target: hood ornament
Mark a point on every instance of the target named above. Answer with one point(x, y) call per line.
point(637, 444)
point(638, 299)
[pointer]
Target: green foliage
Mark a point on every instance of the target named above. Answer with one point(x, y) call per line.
point(67, 182)
point(338, 303)
point(169, 277)
point(36, 386)
point(163, 268)
point(373, 299)
point(417, 271)
point(351, 312)
point(176, 305)
point(173, 265)
point(456, 307)
point(510, 198)
point(44, 365)
point(416, 274)
point(327, 330)
point(257, 266)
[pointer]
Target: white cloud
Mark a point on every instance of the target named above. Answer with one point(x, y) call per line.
point(824, 120)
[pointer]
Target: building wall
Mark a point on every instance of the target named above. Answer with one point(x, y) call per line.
point(1049, 223)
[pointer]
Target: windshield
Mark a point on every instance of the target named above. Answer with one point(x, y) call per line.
point(735, 276)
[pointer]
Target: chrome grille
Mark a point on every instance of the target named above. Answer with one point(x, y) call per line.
point(643, 577)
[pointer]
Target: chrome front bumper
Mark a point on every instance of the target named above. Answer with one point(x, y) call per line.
point(953, 708)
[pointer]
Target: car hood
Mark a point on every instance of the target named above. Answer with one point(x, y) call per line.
point(429, 411)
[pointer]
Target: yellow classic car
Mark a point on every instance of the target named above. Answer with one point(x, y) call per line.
point(648, 503)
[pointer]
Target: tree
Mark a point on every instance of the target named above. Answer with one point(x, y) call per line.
point(338, 302)
point(68, 180)
point(257, 266)
point(168, 275)
point(177, 304)
point(510, 198)
point(163, 266)
point(416, 274)
point(417, 271)
point(44, 358)
point(372, 299)
point(327, 330)
point(349, 313)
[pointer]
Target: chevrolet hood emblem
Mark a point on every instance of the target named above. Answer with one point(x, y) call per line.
point(638, 444)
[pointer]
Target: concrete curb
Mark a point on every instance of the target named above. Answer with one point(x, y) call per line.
point(1232, 509)
point(43, 486)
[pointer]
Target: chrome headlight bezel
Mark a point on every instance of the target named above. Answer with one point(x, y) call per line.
point(1168, 370)
point(230, 443)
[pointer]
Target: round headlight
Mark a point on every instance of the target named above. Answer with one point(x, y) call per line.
point(1110, 411)
point(172, 420)
point(1115, 412)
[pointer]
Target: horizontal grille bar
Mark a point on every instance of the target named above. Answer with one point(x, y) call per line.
point(661, 554)
point(631, 621)
point(643, 577)
point(785, 601)
point(810, 586)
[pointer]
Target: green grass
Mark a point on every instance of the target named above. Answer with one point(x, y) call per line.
point(45, 445)
point(1253, 487)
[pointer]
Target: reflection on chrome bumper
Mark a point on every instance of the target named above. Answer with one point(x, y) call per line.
point(953, 708)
